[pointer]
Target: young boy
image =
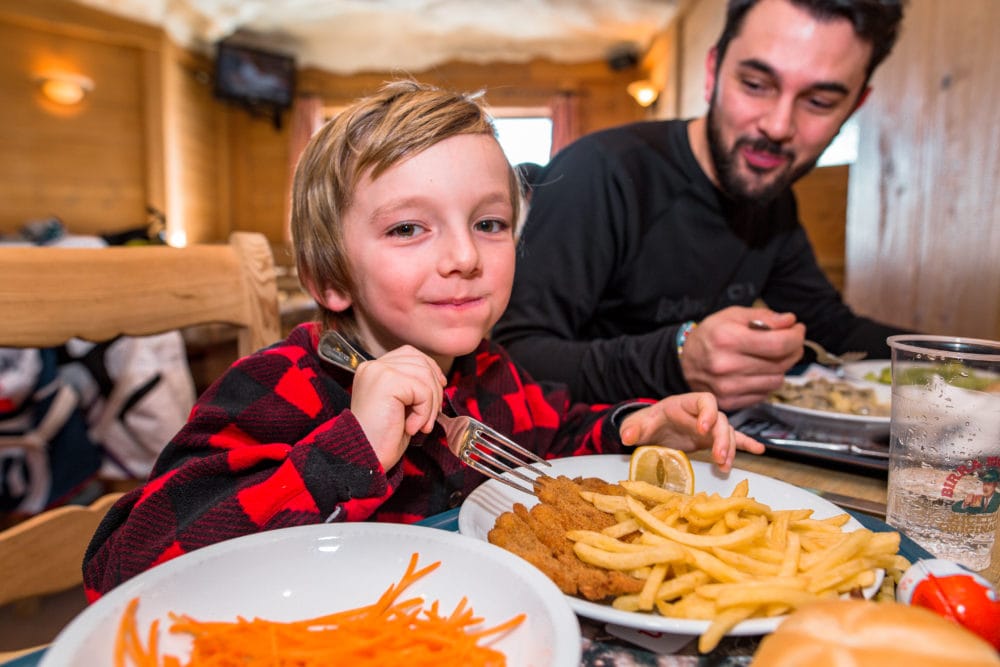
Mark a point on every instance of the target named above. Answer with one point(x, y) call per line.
point(403, 217)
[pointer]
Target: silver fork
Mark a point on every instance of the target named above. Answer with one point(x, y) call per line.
point(822, 356)
point(831, 359)
point(475, 444)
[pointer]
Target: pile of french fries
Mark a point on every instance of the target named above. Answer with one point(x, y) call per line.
point(728, 559)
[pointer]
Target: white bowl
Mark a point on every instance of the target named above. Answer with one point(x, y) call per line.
point(302, 572)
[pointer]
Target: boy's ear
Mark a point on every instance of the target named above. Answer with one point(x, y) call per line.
point(332, 299)
point(335, 300)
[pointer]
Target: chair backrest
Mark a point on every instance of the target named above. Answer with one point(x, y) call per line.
point(44, 554)
point(49, 295)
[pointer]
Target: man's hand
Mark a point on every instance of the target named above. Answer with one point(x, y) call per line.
point(737, 364)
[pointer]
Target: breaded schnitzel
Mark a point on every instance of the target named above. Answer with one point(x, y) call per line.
point(538, 535)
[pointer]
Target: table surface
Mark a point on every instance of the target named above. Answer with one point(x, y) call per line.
point(816, 475)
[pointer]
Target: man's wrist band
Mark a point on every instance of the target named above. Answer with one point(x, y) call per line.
point(682, 335)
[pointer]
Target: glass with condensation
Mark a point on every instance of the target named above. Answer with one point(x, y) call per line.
point(944, 451)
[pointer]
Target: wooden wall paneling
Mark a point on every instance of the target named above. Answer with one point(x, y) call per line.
point(86, 163)
point(159, 128)
point(74, 19)
point(822, 200)
point(224, 171)
point(700, 25)
point(662, 61)
point(193, 120)
point(258, 169)
point(606, 106)
point(153, 128)
point(604, 101)
point(923, 222)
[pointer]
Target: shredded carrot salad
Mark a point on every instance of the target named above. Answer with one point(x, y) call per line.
point(389, 632)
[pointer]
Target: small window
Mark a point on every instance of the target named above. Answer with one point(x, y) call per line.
point(844, 147)
point(525, 138)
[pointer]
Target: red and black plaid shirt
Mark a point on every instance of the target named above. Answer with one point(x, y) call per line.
point(273, 443)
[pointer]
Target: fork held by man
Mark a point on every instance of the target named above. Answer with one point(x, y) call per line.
point(822, 356)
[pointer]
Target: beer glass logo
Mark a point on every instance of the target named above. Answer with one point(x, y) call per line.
point(986, 501)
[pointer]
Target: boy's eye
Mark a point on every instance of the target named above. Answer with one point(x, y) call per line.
point(492, 225)
point(405, 229)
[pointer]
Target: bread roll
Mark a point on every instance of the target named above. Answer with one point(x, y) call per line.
point(861, 633)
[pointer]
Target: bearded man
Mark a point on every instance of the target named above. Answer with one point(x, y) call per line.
point(649, 248)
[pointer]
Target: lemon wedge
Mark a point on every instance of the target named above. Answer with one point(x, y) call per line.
point(664, 467)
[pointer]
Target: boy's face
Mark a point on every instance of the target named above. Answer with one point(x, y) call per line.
point(785, 85)
point(431, 248)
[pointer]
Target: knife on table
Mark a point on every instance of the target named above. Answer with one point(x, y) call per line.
point(848, 502)
point(845, 447)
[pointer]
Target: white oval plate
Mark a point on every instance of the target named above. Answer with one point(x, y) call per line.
point(486, 503)
point(857, 370)
point(810, 423)
point(302, 572)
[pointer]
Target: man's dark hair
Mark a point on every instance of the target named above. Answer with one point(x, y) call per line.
point(875, 21)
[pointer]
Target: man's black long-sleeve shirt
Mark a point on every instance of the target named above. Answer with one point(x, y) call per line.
point(626, 239)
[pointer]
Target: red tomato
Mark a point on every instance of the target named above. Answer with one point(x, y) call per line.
point(949, 589)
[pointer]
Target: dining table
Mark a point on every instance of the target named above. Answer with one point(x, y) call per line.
point(839, 483)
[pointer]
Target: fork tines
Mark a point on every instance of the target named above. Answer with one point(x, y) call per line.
point(484, 451)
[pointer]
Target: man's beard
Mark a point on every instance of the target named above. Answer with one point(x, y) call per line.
point(740, 189)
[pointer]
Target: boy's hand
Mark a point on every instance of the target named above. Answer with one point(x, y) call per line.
point(395, 397)
point(688, 421)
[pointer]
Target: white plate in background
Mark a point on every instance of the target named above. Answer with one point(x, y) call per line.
point(480, 510)
point(303, 572)
point(857, 370)
point(814, 424)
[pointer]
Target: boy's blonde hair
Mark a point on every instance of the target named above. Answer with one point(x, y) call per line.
point(400, 120)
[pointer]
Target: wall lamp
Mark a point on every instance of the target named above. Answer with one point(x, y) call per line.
point(65, 88)
point(644, 92)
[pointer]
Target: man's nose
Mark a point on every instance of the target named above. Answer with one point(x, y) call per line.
point(778, 123)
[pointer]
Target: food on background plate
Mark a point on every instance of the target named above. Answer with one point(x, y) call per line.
point(884, 376)
point(708, 557)
point(664, 467)
point(831, 396)
point(402, 631)
point(867, 634)
point(956, 374)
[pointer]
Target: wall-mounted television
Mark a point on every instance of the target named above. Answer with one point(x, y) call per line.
point(254, 77)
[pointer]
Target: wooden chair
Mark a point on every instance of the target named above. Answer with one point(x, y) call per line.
point(49, 295)
point(43, 554)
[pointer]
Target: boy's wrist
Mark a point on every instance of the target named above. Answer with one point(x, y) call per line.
point(622, 411)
